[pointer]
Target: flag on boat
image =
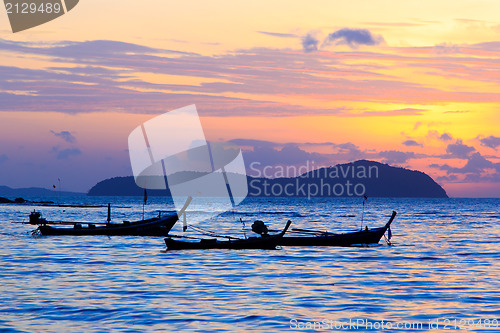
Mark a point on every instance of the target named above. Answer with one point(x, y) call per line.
point(53, 186)
point(366, 197)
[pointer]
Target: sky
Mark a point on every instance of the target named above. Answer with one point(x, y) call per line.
point(409, 83)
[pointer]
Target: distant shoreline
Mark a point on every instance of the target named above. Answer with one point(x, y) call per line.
point(354, 179)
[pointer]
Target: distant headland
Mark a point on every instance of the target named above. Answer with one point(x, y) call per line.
point(6, 191)
point(354, 179)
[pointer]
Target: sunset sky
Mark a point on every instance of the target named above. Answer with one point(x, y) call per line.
point(409, 83)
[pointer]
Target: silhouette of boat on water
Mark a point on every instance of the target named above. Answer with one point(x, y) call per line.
point(157, 226)
point(323, 238)
point(265, 242)
point(271, 241)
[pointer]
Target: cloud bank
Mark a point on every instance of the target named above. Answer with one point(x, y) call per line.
point(101, 76)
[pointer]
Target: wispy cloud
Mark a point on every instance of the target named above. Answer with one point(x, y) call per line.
point(278, 34)
point(113, 76)
point(396, 157)
point(412, 143)
point(435, 135)
point(400, 112)
point(398, 24)
point(65, 135)
point(457, 111)
point(67, 153)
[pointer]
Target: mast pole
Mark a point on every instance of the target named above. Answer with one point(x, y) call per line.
point(363, 215)
point(365, 197)
point(109, 213)
point(144, 202)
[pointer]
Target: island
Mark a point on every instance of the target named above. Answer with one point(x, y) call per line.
point(353, 179)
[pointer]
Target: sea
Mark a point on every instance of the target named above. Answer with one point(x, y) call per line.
point(439, 271)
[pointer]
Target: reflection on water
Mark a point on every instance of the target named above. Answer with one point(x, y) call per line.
point(443, 265)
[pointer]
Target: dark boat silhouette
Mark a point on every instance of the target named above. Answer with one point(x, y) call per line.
point(266, 242)
point(157, 226)
point(269, 242)
point(321, 238)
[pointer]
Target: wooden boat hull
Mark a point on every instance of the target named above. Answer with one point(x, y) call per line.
point(263, 243)
point(158, 226)
point(363, 237)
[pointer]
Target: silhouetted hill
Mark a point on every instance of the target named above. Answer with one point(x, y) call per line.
point(350, 179)
point(5, 200)
point(122, 186)
point(6, 191)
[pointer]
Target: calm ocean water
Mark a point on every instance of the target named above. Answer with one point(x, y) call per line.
point(442, 270)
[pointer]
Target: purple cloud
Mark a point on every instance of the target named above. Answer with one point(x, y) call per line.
point(477, 169)
point(412, 143)
point(263, 156)
point(66, 153)
point(491, 142)
point(268, 153)
point(396, 157)
point(65, 135)
point(309, 43)
point(107, 75)
point(440, 166)
point(353, 37)
point(459, 150)
point(450, 178)
point(445, 137)
point(476, 163)
point(348, 152)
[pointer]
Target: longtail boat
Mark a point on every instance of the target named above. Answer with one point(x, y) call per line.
point(322, 238)
point(156, 226)
point(265, 242)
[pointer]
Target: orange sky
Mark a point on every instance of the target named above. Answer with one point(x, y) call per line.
point(413, 84)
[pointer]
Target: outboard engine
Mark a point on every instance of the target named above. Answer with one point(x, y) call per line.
point(259, 228)
point(36, 218)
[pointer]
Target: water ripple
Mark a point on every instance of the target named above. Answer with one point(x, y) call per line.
point(444, 264)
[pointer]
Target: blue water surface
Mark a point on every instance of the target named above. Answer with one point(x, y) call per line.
point(442, 271)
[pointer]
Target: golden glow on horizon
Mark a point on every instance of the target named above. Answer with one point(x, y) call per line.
point(221, 25)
